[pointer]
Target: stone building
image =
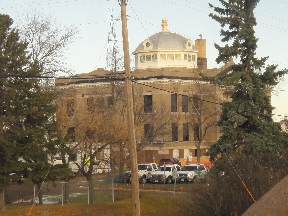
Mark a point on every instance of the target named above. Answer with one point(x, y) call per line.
point(175, 110)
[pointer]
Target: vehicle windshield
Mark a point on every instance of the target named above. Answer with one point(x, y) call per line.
point(142, 167)
point(189, 168)
point(162, 169)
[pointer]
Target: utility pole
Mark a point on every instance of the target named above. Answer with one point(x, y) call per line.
point(130, 113)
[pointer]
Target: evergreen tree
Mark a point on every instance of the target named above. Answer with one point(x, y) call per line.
point(247, 153)
point(246, 121)
point(29, 129)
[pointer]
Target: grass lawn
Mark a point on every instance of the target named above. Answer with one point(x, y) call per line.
point(151, 203)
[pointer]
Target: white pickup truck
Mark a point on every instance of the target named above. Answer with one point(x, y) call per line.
point(164, 174)
point(144, 171)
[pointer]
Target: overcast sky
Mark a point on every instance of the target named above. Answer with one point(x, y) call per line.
point(185, 17)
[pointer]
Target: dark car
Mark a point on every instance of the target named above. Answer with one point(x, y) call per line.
point(169, 161)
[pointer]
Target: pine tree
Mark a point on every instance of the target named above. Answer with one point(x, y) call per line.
point(246, 121)
point(29, 129)
point(247, 153)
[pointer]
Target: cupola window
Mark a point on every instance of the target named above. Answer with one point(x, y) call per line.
point(142, 58)
point(148, 57)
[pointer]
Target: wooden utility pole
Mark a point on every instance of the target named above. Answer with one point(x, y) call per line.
point(130, 114)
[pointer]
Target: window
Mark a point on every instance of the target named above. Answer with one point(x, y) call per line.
point(184, 103)
point(185, 56)
point(193, 57)
point(195, 103)
point(147, 103)
point(174, 132)
point(173, 102)
point(90, 104)
point(110, 100)
point(148, 57)
point(71, 134)
point(162, 56)
point(197, 133)
point(72, 157)
point(142, 58)
point(170, 56)
point(70, 107)
point(148, 131)
point(154, 57)
point(90, 134)
point(177, 56)
point(189, 57)
point(100, 102)
point(185, 132)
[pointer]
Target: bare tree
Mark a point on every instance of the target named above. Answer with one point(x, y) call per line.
point(47, 42)
point(203, 114)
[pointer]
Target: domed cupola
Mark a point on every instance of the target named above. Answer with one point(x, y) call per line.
point(165, 49)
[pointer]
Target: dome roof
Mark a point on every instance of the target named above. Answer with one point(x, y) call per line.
point(165, 40)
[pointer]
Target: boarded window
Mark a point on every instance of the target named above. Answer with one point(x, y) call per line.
point(177, 56)
point(174, 132)
point(173, 102)
point(70, 107)
point(170, 56)
point(147, 103)
point(185, 132)
point(162, 56)
point(184, 103)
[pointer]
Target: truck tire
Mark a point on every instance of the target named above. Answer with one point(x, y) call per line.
point(143, 180)
point(169, 180)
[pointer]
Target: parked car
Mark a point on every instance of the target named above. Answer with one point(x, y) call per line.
point(144, 171)
point(169, 161)
point(164, 174)
point(192, 172)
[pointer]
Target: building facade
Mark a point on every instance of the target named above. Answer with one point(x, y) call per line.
point(175, 110)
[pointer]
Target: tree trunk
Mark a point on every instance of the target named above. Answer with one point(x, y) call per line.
point(66, 192)
point(121, 162)
point(2, 199)
point(91, 192)
point(40, 194)
point(198, 152)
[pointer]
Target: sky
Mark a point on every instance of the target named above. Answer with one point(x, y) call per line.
point(188, 18)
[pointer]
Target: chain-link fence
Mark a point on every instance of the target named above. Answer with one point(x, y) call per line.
point(80, 191)
point(74, 191)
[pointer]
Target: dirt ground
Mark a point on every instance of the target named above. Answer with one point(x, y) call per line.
point(274, 202)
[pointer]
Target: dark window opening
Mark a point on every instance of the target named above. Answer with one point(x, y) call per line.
point(174, 132)
point(195, 103)
point(185, 132)
point(173, 102)
point(197, 133)
point(196, 152)
point(71, 134)
point(90, 104)
point(147, 103)
point(184, 103)
point(70, 107)
point(110, 101)
point(148, 131)
point(72, 157)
